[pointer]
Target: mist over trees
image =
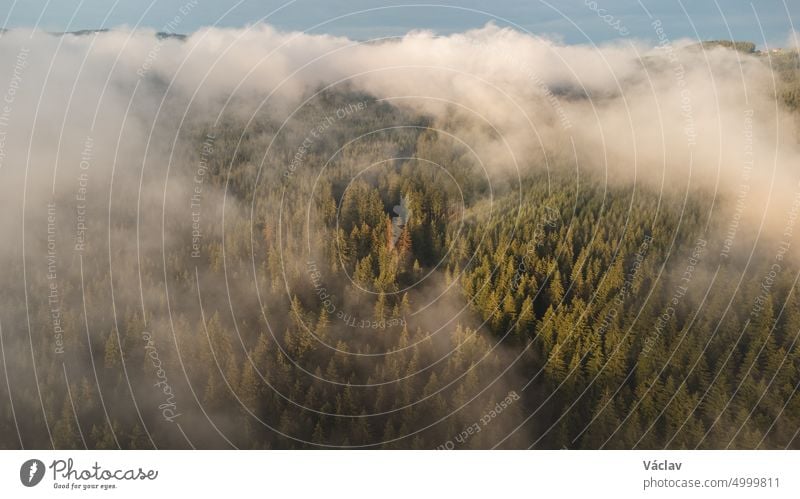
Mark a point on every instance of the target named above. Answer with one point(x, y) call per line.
point(351, 272)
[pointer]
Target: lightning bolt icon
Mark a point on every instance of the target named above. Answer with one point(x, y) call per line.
point(32, 471)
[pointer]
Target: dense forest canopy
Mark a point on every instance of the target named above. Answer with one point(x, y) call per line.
point(367, 269)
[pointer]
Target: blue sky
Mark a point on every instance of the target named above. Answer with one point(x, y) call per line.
point(571, 20)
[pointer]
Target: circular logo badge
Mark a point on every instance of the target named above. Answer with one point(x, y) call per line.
point(31, 472)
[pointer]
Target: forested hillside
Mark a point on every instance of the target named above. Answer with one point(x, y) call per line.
point(350, 272)
point(606, 315)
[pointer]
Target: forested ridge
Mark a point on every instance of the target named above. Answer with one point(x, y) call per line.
point(347, 300)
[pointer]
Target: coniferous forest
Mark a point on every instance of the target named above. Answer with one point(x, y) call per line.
point(350, 271)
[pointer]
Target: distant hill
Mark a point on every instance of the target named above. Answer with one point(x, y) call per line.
point(746, 47)
point(160, 35)
point(86, 32)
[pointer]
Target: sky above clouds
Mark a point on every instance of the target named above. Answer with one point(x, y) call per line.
point(573, 21)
